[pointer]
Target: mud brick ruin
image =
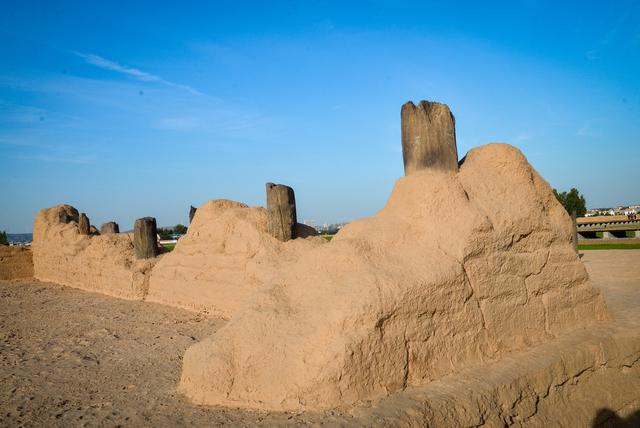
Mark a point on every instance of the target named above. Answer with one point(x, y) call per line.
point(466, 264)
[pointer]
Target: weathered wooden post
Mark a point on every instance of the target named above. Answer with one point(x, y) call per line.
point(110, 227)
point(428, 137)
point(574, 226)
point(145, 234)
point(281, 211)
point(192, 213)
point(84, 226)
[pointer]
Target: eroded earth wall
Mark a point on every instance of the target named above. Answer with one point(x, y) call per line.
point(226, 255)
point(459, 269)
point(100, 263)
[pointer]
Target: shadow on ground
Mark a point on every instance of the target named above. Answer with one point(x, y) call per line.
point(607, 418)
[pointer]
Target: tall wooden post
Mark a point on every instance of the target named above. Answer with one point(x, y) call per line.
point(428, 137)
point(574, 226)
point(281, 211)
point(84, 226)
point(110, 227)
point(145, 241)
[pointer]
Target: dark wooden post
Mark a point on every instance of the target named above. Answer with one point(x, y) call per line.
point(428, 137)
point(110, 227)
point(145, 241)
point(192, 213)
point(84, 226)
point(574, 226)
point(281, 211)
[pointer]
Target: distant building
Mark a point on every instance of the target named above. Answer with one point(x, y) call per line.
point(621, 210)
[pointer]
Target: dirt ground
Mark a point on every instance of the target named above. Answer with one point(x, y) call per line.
point(614, 271)
point(73, 358)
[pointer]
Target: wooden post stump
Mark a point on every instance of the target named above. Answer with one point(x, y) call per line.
point(145, 238)
point(110, 227)
point(428, 137)
point(84, 226)
point(192, 213)
point(574, 225)
point(281, 211)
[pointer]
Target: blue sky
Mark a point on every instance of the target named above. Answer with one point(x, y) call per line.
point(131, 110)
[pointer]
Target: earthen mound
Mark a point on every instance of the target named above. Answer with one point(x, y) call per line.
point(64, 254)
point(458, 269)
point(224, 258)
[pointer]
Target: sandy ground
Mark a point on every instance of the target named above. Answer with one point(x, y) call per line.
point(614, 271)
point(73, 358)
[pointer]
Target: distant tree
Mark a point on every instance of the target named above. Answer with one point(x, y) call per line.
point(572, 201)
point(3, 238)
point(164, 233)
point(181, 229)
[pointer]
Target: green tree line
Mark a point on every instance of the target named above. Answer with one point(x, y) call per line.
point(572, 201)
point(165, 233)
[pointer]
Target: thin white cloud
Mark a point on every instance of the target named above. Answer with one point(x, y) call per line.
point(609, 37)
point(106, 64)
